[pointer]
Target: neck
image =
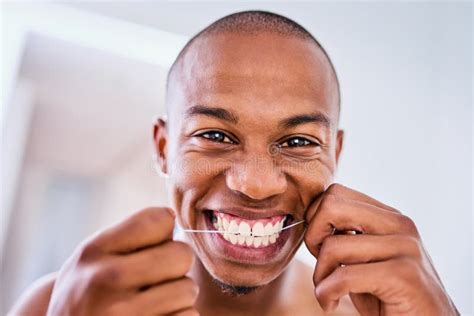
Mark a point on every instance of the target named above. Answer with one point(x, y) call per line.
point(213, 301)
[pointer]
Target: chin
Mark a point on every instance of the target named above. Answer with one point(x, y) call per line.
point(242, 275)
point(235, 290)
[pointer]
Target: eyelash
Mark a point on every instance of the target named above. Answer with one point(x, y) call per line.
point(202, 135)
point(306, 141)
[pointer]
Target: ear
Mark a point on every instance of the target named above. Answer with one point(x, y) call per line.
point(339, 143)
point(160, 140)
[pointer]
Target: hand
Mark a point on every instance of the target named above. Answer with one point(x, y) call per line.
point(132, 268)
point(383, 266)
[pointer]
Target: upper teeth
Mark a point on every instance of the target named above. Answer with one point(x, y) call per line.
point(260, 234)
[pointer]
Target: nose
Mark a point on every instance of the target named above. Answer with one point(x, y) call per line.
point(257, 178)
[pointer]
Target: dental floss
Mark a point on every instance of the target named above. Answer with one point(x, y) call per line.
point(223, 231)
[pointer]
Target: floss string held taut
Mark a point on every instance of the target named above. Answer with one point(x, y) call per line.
point(204, 231)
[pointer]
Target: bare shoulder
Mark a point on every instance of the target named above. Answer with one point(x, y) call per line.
point(35, 300)
point(304, 288)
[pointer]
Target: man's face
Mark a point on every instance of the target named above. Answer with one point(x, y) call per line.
point(250, 141)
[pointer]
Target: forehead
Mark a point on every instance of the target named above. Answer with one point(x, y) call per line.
point(256, 73)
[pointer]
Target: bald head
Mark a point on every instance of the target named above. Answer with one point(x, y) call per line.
point(253, 23)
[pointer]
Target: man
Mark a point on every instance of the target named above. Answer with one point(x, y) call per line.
point(250, 146)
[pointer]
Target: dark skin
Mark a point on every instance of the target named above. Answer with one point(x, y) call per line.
point(256, 93)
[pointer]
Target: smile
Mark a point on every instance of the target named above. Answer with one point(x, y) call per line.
point(248, 233)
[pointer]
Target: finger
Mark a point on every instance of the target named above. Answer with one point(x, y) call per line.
point(347, 193)
point(148, 227)
point(339, 189)
point(166, 298)
point(342, 214)
point(366, 304)
point(354, 249)
point(167, 261)
point(377, 278)
point(186, 312)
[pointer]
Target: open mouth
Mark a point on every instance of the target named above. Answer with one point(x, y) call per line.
point(246, 233)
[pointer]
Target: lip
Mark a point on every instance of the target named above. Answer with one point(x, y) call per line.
point(243, 254)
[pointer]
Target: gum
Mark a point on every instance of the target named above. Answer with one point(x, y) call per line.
point(273, 220)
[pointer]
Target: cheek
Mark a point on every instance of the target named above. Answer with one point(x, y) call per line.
point(311, 179)
point(190, 177)
point(320, 171)
point(189, 172)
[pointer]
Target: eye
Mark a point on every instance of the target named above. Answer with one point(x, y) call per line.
point(216, 136)
point(298, 142)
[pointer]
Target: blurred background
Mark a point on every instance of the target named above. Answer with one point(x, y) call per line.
point(82, 82)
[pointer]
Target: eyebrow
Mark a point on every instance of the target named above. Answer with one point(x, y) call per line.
point(293, 121)
point(215, 112)
point(316, 117)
